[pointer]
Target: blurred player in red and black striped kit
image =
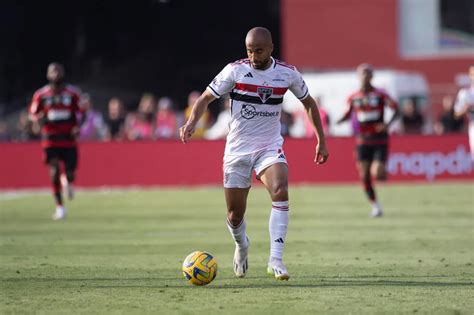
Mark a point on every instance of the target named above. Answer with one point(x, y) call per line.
point(57, 107)
point(368, 105)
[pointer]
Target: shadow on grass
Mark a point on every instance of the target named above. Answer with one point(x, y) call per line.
point(248, 283)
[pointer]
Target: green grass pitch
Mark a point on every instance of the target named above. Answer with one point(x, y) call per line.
point(121, 252)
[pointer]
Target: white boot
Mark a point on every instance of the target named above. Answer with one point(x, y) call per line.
point(60, 213)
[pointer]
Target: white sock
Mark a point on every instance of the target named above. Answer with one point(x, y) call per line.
point(278, 226)
point(239, 233)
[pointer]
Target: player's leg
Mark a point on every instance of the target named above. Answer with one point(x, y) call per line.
point(364, 163)
point(53, 163)
point(275, 179)
point(236, 200)
point(471, 138)
point(237, 180)
point(70, 165)
point(378, 169)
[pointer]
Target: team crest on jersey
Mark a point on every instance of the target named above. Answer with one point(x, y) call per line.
point(67, 100)
point(264, 93)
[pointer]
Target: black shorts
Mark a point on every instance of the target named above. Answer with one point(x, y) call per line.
point(372, 152)
point(67, 155)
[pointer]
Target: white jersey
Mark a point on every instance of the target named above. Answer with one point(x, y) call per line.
point(256, 102)
point(466, 98)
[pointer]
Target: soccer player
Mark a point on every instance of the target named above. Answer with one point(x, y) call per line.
point(368, 105)
point(465, 107)
point(56, 106)
point(256, 86)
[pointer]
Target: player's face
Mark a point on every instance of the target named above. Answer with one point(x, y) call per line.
point(471, 73)
point(259, 54)
point(365, 76)
point(55, 73)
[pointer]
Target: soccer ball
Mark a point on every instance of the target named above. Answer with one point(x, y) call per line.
point(200, 268)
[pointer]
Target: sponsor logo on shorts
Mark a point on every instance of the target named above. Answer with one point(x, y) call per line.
point(249, 111)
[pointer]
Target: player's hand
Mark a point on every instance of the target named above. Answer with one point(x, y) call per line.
point(186, 132)
point(322, 153)
point(75, 131)
point(381, 127)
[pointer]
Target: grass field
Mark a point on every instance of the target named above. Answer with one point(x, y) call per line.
point(121, 252)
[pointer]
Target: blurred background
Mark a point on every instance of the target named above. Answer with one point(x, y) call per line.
point(168, 48)
point(141, 64)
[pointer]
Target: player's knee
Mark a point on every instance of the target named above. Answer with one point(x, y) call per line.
point(279, 192)
point(365, 177)
point(54, 173)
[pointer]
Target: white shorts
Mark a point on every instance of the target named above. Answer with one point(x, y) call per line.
point(238, 168)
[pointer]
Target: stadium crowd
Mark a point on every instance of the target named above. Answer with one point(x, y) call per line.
point(158, 118)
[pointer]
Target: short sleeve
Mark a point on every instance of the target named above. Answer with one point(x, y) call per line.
point(223, 83)
point(298, 87)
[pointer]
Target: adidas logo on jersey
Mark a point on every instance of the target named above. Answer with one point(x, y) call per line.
point(279, 240)
point(248, 75)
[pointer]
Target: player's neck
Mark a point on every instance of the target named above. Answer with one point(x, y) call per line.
point(367, 88)
point(56, 86)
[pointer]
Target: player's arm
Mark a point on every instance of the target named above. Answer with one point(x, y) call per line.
point(461, 106)
point(35, 110)
point(347, 112)
point(396, 112)
point(312, 111)
point(199, 108)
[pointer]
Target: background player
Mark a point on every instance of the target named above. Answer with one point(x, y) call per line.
point(465, 107)
point(57, 106)
point(368, 105)
point(256, 86)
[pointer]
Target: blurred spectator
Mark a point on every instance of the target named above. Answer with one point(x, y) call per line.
point(286, 121)
point(412, 120)
point(465, 107)
point(166, 122)
point(139, 125)
point(26, 129)
point(203, 123)
point(115, 119)
point(220, 128)
point(447, 121)
point(93, 126)
point(309, 131)
point(4, 133)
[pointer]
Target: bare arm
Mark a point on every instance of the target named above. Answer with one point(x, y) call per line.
point(313, 113)
point(346, 115)
point(458, 114)
point(396, 111)
point(199, 108)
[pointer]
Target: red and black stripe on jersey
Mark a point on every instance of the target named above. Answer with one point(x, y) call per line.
point(369, 109)
point(240, 90)
point(58, 111)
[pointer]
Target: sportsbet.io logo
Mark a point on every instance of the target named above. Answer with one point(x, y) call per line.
point(248, 112)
